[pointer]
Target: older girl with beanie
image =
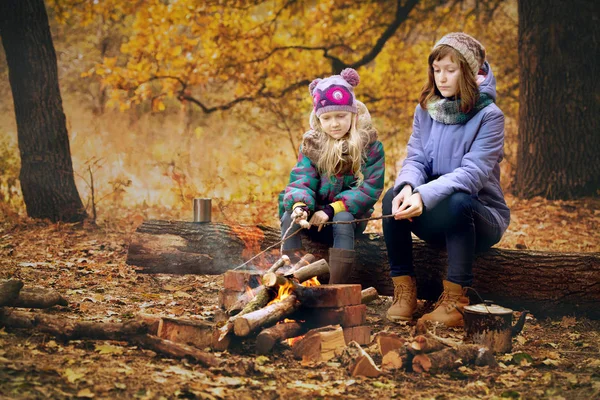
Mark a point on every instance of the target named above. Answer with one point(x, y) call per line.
point(448, 191)
point(339, 174)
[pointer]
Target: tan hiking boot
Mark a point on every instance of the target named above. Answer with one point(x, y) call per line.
point(341, 265)
point(447, 308)
point(405, 299)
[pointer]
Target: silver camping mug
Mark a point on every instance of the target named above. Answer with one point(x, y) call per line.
point(202, 210)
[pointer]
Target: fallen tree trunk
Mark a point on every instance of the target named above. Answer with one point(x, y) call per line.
point(545, 283)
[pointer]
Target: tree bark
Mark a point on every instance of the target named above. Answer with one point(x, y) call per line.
point(545, 283)
point(46, 175)
point(558, 148)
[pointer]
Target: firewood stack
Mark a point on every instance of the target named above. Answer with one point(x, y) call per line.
point(247, 298)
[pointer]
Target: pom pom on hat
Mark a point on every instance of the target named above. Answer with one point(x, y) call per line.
point(313, 85)
point(351, 76)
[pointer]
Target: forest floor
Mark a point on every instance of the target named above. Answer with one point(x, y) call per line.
point(551, 359)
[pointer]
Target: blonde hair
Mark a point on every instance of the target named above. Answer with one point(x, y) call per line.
point(340, 155)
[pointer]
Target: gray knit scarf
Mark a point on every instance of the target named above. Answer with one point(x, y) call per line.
point(448, 111)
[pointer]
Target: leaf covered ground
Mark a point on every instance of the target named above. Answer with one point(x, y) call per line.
point(551, 358)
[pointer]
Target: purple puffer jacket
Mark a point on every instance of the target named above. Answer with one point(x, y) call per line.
point(464, 157)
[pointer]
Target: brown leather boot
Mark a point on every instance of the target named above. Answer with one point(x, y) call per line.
point(405, 299)
point(341, 265)
point(447, 308)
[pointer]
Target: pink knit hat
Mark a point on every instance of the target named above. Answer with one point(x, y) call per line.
point(335, 93)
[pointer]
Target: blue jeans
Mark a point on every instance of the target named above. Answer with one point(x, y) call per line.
point(340, 236)
point(460, 222)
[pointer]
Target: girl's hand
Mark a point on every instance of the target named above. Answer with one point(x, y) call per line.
point(319, 218)
point(412, 207)
point(398, 203)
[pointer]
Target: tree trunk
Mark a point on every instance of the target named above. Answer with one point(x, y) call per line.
point(558, 149)
point(46, 173)
point(545, 283)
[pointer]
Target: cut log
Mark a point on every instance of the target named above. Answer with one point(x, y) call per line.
point(304, 261)
point(284, 260)
point(450, 359)
point(425, 344)
point(396, 359)
point(38, 298)
point(318, 268)
point(545, 283)
point(9, 291)
point(388, 341)
point(321, 344)
point(269, 337)
point(358, 362)
point(176, 350)
point(243, 325)
point(368, 295)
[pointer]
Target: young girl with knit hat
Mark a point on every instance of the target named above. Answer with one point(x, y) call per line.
point(339, 174)
point(448, 191)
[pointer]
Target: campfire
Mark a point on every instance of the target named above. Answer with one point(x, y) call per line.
point(288, 304)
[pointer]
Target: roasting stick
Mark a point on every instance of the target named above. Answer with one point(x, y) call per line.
point(286, 237)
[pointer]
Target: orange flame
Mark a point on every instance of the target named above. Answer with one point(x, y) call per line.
point(292, 341)
point(283, 293)
point(311, 282)
point(250, 293)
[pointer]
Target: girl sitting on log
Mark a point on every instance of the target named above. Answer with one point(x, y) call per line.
point(448, 191)
point(339, 174)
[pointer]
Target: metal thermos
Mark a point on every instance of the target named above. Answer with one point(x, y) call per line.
point(202, 208)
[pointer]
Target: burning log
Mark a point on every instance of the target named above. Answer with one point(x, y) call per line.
point(243, 325)
point(317, 268)
point(269, 337)
point(358, 362)
point(177, 247)
point(320, 344)
point(9, 291)
point(368, 295)
point(449, 359)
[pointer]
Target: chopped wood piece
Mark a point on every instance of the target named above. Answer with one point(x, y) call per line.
point(346, 316)
point(269, 337)
point(177, 350)
point(9, 291)
point(317, 268)
point(320, 344)
point(396, 359)
point(271, 280)
point(387, 341)
point(358, 362)
point(269, 315)
point(368, 295)
point(261, 297)
point(328, 296)
point(193, 332)
point(449, 359)
point(240, 280)
point(358, 334)
point(38, 298)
